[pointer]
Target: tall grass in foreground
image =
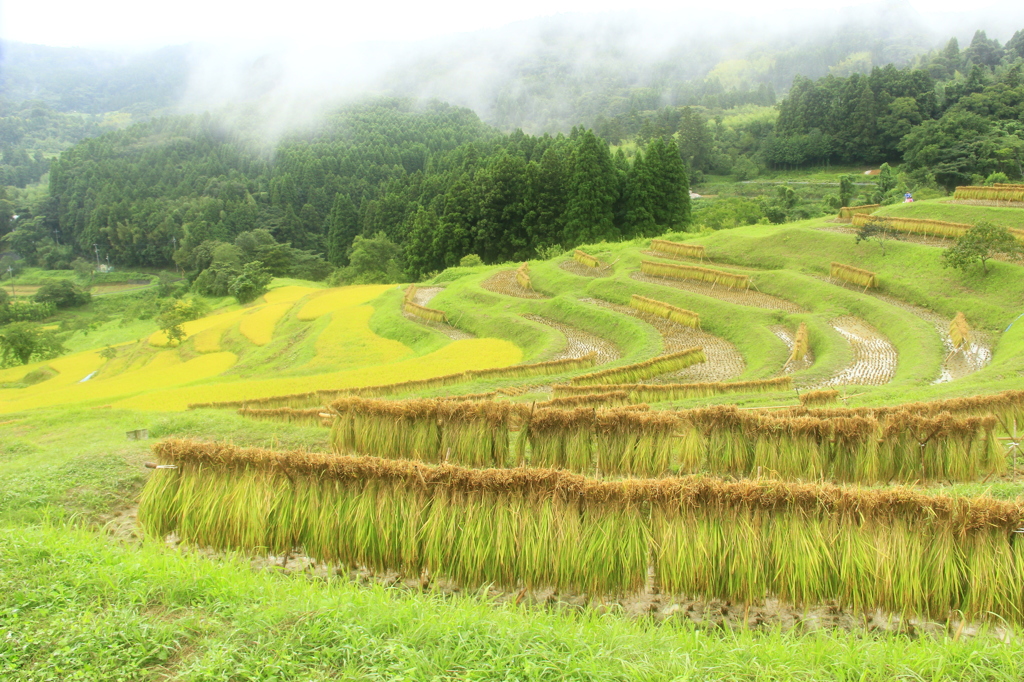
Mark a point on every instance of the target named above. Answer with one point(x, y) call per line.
point(286, 626)
point(687, 318)
point(893, 549)
point(693, 272)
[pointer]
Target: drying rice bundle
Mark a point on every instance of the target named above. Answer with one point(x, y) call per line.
point(476, 433)
point(994, 193)
point(410, 294)
point(821, 397)
point(424, 312)
point(606, 399)
point(523, 276)
point(662, 364)
point(316, 398)
point(634, 444)
point(846, 213)
point(561, 439)
point(715, 439)
point(1005, 406)
point(940, 447)
point(470, 396)
point(311, 417)
point(959, 332)
point(848, 273)
point(684, 250)
point(663, 392)
point(537, 368)
point(801, 344)
point(407, 429)
point(933, 228)
point(586, 259)
point(687, 318)
point(674, 271)
point(909, 553)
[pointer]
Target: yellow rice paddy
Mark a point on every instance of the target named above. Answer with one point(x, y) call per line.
point(258, 326)
point(457, 356)
point(336, 299)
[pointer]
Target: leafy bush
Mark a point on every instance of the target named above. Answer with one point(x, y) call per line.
point(63, 294)
point(251, 284)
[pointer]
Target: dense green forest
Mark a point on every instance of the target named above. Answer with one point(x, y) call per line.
point(435, 181)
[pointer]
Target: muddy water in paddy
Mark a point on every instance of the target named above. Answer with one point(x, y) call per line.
point(504, 282)
point(874, 357)
point(422, 297)
point(580, 343)
point(957, 363)
point(748, 297)
point(724, 362)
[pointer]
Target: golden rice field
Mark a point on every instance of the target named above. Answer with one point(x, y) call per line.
point(346, 353)
point(336, 299)
point(347, 342)
point(458, 356)
point(258, 326)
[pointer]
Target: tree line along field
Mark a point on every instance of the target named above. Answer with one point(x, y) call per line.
point(388, 383)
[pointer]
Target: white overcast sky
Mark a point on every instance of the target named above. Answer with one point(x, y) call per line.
point(143, 24)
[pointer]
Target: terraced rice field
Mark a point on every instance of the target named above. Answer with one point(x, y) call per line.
point(258, 326)
point(749, 297)
point(955, 365)
point(579, 343)
point(786, 335)
point(423, 297)
point(874, 357)
point(724, 362)
point(504, 282)
point(603, 270)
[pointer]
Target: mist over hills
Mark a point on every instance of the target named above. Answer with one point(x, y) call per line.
point(542, 75)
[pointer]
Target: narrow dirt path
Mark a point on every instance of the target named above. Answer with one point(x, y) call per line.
point(724, 362)
point(749, 297)
point(580, 343)
point(874, 357)
point(504, 282)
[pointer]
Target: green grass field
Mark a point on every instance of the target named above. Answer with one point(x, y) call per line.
point(87, 598)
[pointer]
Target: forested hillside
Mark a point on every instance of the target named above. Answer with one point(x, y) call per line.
point(436, 181)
